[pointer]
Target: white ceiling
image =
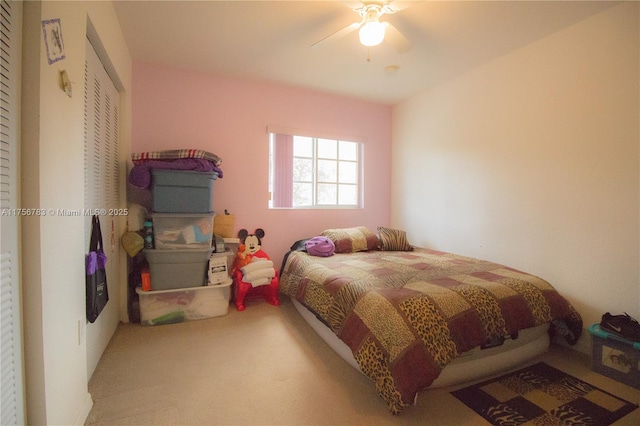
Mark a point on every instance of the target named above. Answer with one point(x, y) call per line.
point(270, 40)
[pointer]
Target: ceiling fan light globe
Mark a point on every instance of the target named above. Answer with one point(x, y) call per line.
point(372, 33)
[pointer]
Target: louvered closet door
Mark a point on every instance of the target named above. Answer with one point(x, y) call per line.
point(12, 381)
point(101, 123)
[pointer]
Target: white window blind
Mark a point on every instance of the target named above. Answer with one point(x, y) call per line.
point(12, 379)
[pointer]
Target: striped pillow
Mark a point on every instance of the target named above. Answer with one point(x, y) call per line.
point(393, 239)
point(351, 240)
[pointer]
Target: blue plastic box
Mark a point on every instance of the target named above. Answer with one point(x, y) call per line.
point(615, 357)
point(181, 191)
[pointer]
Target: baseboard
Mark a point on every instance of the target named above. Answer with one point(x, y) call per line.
point(583, 345)
point(83, 414)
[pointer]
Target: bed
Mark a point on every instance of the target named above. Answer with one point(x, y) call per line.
point(405, 316)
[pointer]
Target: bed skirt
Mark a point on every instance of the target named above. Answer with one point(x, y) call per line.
point(472, 365)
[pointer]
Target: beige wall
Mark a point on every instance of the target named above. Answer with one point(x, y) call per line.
point(53, 178)
point(532, 160)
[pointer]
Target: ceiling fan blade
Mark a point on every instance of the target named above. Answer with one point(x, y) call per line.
point(396, 39)
point(399, 5)
point(338, 34)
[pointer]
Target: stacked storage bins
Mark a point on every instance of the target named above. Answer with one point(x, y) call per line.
point(182, 217)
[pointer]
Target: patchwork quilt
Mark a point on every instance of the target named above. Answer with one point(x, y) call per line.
point(406, 315)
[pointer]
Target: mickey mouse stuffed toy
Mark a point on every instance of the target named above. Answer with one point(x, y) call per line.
point(253, 271)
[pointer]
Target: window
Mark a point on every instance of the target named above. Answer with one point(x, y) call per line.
point(310, 172)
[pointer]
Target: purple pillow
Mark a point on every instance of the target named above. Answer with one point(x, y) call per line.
point(320, 246)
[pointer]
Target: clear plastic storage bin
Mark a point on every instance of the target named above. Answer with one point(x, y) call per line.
point(615, 357)
point(187, 304)
point(182, 230)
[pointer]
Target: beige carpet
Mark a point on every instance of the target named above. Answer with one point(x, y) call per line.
point(266, 366)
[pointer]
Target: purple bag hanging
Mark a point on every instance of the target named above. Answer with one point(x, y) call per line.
point(97, 292)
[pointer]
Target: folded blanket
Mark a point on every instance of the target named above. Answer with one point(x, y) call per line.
point(260, 273)
point(256, 264)
point(173, 154)
point(261, 281)
point(140, 174)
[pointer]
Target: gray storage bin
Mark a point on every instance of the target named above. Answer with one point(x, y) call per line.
point(172, 269)
point(181, 191)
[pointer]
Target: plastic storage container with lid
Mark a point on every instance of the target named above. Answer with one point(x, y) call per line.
point(171, 269)
point(183, 230)
point(186, 304)
point(181, 191)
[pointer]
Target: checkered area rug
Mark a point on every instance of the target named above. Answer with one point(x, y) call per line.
point(543, 395)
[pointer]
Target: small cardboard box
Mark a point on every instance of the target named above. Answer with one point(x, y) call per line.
point(220, 265)
point(232, 244)
point(615, 357)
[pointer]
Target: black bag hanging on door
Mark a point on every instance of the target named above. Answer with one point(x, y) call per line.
point(96, 274)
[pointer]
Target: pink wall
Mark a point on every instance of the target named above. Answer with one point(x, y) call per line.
point(228, 116)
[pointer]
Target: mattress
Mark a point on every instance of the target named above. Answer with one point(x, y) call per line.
point(405, 316)
point(474, 364)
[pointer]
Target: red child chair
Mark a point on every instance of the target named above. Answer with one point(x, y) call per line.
point(244, 290)
point(252, 277)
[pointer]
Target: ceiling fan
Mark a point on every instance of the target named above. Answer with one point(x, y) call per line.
point(371, 30)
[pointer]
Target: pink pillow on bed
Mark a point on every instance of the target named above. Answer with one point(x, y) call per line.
point(351, 240)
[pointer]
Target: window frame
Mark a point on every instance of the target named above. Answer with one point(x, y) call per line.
point(316, 180)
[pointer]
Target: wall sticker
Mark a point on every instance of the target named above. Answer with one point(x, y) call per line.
point(52, 33)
